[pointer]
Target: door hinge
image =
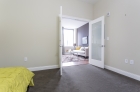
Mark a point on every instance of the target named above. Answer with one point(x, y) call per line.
point(103, 46)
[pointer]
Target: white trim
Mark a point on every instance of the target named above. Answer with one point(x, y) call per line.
point(60, 40)
point(128, 74)
point(43, 68)
point(75, 18)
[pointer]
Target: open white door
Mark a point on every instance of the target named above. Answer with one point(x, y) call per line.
point(96, 42)
point(60, 40)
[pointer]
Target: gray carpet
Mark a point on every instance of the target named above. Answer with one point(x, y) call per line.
point(83, 78)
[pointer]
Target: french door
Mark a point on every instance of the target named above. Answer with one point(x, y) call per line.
point(96, 42)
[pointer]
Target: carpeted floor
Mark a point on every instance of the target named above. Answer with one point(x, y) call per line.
point(83, 78)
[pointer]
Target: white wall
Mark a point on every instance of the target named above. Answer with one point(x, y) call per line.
point(30, 28)
point(123, 32)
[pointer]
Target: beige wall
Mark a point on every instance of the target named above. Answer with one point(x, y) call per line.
point(124, 32)
point(30, 28)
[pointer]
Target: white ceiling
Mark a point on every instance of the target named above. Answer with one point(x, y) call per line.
point(72, 24)
point(91, 1)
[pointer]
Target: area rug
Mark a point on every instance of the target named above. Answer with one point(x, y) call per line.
point(73, 58)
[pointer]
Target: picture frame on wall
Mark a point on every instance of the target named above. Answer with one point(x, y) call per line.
point(85, 40)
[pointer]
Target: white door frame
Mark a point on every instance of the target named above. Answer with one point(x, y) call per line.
point(76, 18)
point(60, 40)
point(68, 17)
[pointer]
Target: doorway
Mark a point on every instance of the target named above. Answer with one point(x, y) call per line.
point(96, 39)
point(74, 52)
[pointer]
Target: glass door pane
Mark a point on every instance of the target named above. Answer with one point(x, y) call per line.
point(96, 40)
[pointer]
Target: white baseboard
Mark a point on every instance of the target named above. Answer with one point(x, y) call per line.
point(43, 68)
point(128, 74)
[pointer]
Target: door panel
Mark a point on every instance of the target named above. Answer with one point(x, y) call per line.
point(96, 42)
point(60, 40)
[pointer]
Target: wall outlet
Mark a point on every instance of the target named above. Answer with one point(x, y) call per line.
point(25, 58)
point(126, 60)
point(131, 62)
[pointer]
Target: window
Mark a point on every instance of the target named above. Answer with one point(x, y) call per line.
point(68, 37)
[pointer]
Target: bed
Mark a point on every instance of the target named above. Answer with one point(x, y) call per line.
point(15, 79)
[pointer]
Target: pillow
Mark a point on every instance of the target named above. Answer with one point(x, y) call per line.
point(82, 48)
point(78, 48)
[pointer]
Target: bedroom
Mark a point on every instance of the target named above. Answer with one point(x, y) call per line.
point(29, 37)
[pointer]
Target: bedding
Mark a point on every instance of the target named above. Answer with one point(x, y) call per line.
point(15, 79)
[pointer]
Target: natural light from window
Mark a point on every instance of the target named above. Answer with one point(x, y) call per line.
point(68, 37)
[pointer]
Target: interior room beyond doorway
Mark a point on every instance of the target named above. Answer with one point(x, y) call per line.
point(75, 42)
